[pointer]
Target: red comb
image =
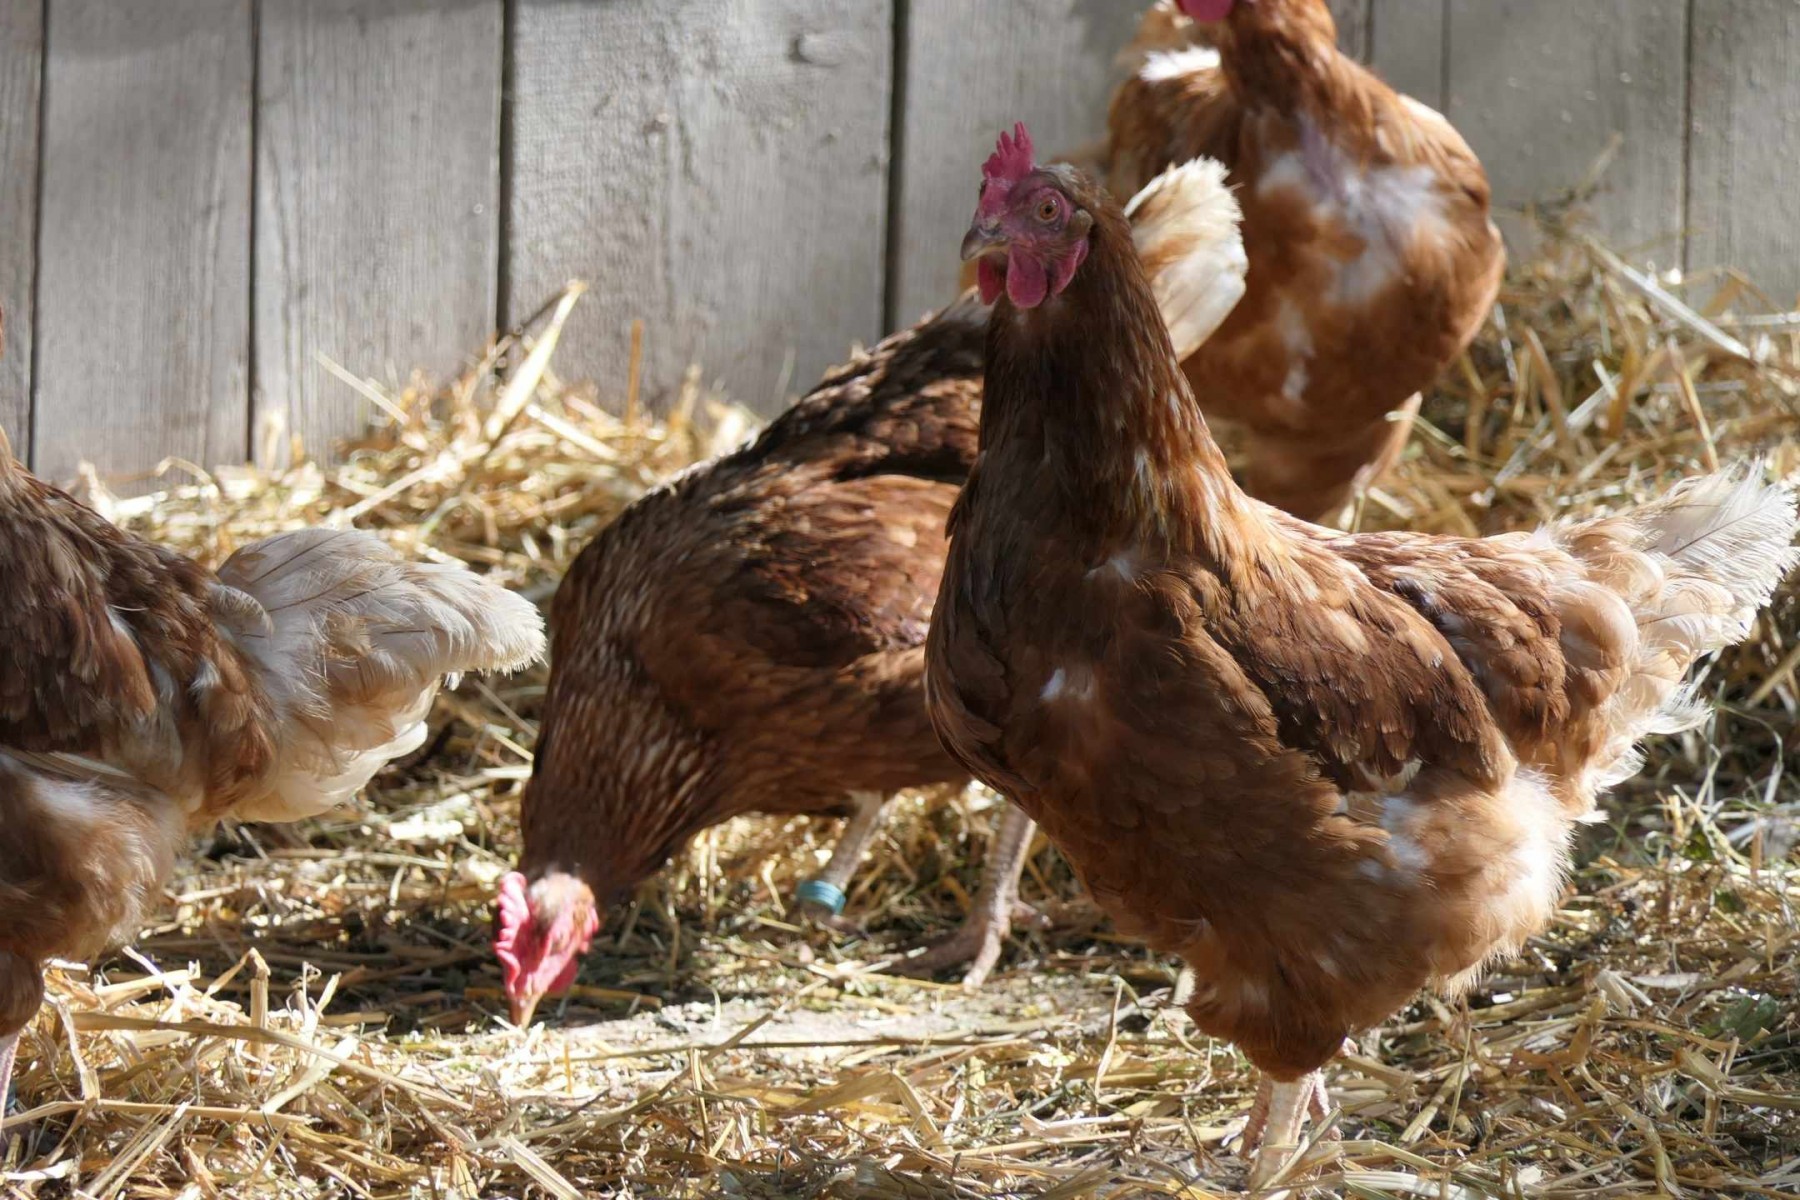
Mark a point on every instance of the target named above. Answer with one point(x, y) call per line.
point(1011, 159)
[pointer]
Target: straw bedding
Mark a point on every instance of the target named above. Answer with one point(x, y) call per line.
point(318, 1014)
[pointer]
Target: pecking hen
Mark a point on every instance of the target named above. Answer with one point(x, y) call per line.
point(1324, 769)
point(146, 697)
point(1372, 258)
point(749, 638)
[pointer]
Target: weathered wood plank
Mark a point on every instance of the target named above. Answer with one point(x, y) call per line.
point(1352, 17)
point(377, 201)
point(1539, 87)
point(971, 71)
point(21, 62)
point(719, 171)
point(1406, 47)
point(1744, 207)
point(144, 286)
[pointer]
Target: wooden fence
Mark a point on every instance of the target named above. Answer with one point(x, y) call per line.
point(198, 198)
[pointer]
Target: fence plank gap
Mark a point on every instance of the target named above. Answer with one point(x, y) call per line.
point(972, 70)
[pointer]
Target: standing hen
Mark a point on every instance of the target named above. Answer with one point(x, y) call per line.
point(749, 638)
point(1325, 770)
point(146, 697)
point(1372, 258)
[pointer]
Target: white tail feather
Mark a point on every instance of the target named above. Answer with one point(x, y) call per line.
point(352, 641)
point(1695, 567)
point(1184, 224)
point(1731, 529)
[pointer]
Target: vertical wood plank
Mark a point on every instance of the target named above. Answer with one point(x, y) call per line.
point(377, 201)
point(1406, 47)
point(21, 64)
point(1744, 207)
point(1352, 17)
point(144, 272)
point(1538, 87)
point(971, 71)
point(718, 170)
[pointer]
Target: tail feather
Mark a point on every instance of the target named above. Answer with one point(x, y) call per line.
point(1694, 568)
point(1184, 224)
point(352, 641)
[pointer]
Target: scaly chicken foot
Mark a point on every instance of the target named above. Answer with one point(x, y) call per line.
point(1272, 1130)
point(822, 897)
point(996, 906)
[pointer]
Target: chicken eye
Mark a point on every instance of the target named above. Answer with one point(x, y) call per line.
point(1047, 209)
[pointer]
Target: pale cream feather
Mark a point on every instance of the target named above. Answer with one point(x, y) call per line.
point(1693, 569)
point(1184, 224)
point(351, 641)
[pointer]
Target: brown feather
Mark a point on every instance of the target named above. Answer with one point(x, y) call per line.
point(1372, 258)
point(1325, 769)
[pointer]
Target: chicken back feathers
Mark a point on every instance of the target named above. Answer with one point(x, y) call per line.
point(148, 696)
point(747, 637)
point(1372, 257)
point(1325, 769)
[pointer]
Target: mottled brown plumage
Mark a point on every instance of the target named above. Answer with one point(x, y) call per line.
point(146, 696)
point(749, 638)
point(1325, 769)
point(1372, 258)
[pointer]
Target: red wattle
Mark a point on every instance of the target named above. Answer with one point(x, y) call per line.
point(1026, 281)
point(987, 274)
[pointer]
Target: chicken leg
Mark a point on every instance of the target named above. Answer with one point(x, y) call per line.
point(822, 897)
point(1272, 1130)
point(990, 919)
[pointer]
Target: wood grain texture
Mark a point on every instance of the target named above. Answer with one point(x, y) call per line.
point(144, 285)
point(377, 202)
point(719, 171)
point(1406, 47)
point(971, 71)
point(1352, 17)
point(1744, 198)
point(1539, 87)
point(21, 60)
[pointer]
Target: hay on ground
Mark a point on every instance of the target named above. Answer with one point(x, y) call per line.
point(318, 1013)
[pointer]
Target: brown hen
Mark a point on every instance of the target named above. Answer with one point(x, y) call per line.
point(750, 637)
point(1326, 770)
point(1372, 258)
point(146, 697)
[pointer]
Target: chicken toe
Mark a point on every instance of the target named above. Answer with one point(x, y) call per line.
point(1272, 1130)
point(822, 897)
point(983, 933)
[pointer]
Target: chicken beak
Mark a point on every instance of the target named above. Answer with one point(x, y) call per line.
point(522, 1009)
point(984, 237)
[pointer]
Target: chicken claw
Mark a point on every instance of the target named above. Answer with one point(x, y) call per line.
point(983, 933)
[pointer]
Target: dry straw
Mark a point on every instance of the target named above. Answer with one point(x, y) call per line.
point(318, 1014)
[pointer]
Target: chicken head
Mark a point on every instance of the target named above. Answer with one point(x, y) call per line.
point(544, 929)
point(1027, 237)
